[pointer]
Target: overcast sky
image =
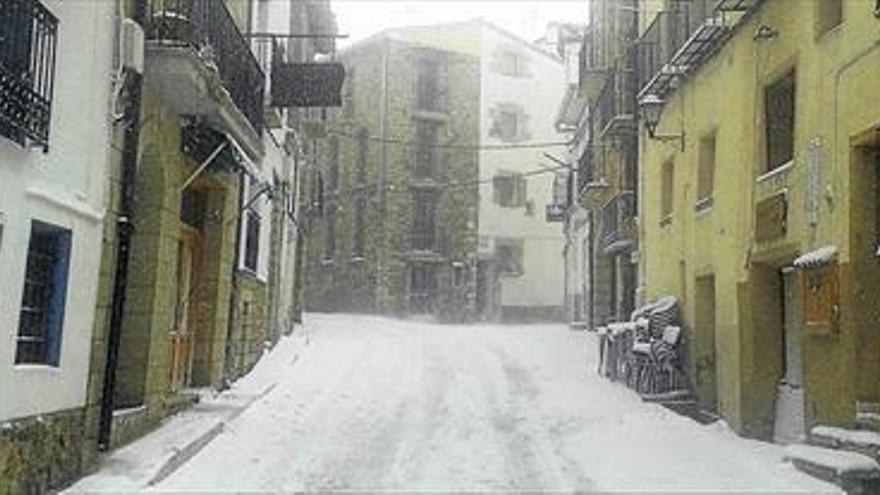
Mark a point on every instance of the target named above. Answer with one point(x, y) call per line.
point(526, 18)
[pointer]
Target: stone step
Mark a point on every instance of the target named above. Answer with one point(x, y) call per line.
point(855, 473)
point(861, 441)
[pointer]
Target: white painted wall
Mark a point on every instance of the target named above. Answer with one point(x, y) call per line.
point(66, 187)
point(542, 283)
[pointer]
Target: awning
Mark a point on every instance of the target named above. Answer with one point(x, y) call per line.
point(817, 258)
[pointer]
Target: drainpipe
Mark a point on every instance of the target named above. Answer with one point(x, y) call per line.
point(124, 229)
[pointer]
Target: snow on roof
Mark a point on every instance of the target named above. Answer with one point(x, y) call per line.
point(858, 437)
point(840, 461)
point(818, 257)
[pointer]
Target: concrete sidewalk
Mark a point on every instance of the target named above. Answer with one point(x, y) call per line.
point(155, 456)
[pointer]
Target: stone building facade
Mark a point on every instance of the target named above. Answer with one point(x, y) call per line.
point(390, 207)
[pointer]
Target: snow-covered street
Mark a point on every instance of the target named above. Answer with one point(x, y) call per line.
point(375, 403)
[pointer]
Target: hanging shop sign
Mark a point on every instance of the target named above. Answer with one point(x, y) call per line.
point(307, 84)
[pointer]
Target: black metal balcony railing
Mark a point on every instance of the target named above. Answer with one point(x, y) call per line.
point(616, 103)
point(676, 40)
point(28, 36)
point(617, 223)
point(586, 172)
point(427, 241)
point(208, 26)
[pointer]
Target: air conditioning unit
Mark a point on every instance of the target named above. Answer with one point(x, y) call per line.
point(131, 46)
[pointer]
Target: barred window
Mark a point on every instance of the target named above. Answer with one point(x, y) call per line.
point(509, 255)
point(44, 295)
point(27, 70)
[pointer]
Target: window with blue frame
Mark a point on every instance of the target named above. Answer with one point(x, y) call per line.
point(44, 295)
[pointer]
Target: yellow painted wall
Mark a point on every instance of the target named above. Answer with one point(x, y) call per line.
point(836, 100)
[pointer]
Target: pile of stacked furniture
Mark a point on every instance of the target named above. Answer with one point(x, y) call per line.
point(646, 352)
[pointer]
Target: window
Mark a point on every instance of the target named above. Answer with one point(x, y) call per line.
point(458, 274)
point(431, 96)
point(779, 102)
point(829, 14)
point(506, 125)
point(27, 70)
point(43, 298)
point(510, 64)
point(423, 226)
point(426, 148)
point(706, 172)
point(330, 234)
point(333, 166)
point(348, 101)
point(667, 191)
point(252, 240)
point(509, 190)
point(360, 206)
point(509, 255)
point(363, 150)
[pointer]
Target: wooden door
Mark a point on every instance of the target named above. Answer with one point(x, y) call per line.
point(182, 334)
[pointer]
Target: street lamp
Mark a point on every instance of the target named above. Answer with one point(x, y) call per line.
point(650, 108)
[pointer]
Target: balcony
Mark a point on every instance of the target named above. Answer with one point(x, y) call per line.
point(591, 181)
point(28, 35)
point(616, 104)
point(592, 74)
point(426, 245)
point(675, 43)
point(202, 66)
point(617, 232)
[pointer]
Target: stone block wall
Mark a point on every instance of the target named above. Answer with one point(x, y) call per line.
point(378, 281)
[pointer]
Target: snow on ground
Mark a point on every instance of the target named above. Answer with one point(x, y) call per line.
point(375, 403)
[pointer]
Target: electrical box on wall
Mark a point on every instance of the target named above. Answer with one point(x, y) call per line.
point(131, 46)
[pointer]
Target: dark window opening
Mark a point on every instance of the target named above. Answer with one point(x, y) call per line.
point(252, 241)
point(779, 114)
point(426, 148)
point(423, 220)
point(333, 166)
point(363, 150)
point(360, 206)
point(509, 255)
point(430, 93)
point(829, 14)
point(509, 190)
point(44, 295)
point(330, 234)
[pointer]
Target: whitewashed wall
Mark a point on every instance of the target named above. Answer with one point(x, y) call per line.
point(538, 93)
point(66, 187)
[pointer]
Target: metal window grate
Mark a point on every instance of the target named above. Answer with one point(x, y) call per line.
point(43, 295)
point(28, 35)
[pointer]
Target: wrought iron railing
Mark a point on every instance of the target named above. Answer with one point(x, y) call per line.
point(667, 33)
point(28, 36)
point(618, 97)
point(208, 26)
point(427, 240)
point(616, 231)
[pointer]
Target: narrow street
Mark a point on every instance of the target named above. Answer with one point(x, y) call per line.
point(375, 403)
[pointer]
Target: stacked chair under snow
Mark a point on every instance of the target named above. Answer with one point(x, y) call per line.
point(645, 352)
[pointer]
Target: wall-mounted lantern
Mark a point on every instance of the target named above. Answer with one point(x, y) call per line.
point(650, 108)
